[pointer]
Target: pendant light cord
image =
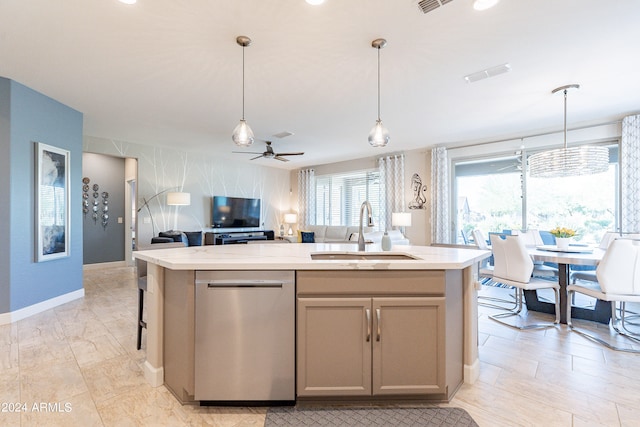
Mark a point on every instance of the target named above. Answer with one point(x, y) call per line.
point(243, 82)
point(565, 119)
point(378, 83)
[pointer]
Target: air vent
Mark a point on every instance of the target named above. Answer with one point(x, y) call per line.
point(488, 72)
point(283, 134)
point(427, 6)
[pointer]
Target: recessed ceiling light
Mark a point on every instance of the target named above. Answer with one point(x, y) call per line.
point(484, 4)
point(315, 2)
point(128, 1)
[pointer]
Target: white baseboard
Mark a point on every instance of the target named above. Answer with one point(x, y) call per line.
point(472, 372)
point(23, 313)
point(153, 375)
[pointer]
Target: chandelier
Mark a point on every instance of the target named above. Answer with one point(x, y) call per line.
point(572, 161)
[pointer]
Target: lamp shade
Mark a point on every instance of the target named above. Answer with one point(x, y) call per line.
point(401, 219)
point(178, 199)
point(290, 218)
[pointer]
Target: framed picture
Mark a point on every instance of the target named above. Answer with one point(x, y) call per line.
point(52, 202)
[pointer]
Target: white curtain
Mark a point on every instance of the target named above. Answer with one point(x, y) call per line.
point(306, 197)
point(630, 174)
point(391, 188)
point(439, 196)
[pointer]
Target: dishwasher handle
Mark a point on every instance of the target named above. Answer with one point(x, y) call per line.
point(239, 284)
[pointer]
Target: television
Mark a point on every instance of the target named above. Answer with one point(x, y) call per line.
point(235, 212)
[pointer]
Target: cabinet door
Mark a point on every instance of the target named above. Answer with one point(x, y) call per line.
point(334, 347)
point(408, 345)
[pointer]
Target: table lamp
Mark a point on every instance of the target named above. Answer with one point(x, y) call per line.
point(401, 219)
point(290, 219)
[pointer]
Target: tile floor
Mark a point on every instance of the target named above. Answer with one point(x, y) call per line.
point(76, 365)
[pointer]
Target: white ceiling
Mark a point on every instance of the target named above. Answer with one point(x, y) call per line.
point(168, 72)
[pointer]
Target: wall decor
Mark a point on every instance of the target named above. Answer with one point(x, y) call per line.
point(52, 202)
point(97, 212)
point(85, 195)
point(419, 200)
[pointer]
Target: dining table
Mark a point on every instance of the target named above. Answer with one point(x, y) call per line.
point(565, 258)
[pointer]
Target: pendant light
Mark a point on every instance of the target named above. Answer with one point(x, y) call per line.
point(242, 134)
point(379, 135)
point(573, 161)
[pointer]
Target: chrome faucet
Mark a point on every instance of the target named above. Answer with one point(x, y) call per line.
point(369, 223)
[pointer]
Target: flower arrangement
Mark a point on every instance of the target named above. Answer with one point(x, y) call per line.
point(563, 232)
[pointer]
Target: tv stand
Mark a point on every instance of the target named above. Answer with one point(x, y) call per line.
point(236, 237)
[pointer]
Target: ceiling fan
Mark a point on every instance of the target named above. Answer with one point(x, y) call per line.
point(270, 154)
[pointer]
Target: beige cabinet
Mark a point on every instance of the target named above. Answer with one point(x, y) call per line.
point(378, 334)
point(334, 347)
point(408, 345)
point(370, 346)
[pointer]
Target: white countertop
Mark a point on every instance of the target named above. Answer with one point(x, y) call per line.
point(297, 256)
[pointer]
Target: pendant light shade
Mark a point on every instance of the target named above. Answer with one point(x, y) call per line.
point(242, 134)
point(574, 161)
point(379, 135)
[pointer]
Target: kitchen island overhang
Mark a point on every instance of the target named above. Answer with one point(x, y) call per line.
point(297, 257)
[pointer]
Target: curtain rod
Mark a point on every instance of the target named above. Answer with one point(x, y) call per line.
point(535, 135)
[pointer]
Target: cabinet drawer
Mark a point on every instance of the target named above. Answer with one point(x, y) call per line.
point(384, 282)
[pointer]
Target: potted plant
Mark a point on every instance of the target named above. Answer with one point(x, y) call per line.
point(563, 237)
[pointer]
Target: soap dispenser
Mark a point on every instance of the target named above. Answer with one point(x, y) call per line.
point(386, 242)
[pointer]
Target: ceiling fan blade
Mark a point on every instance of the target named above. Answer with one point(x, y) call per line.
point(246, 152)
point(282, 159)
point(256, 157)
point(289, 154)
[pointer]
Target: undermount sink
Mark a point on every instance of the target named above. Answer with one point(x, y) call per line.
point(361, 256)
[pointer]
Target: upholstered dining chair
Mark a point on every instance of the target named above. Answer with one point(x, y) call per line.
point(532, 238)
point(590, 274)
point(618, 281)
point(485, 275)
point(513, 266)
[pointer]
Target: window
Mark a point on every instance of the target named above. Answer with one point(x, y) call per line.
point(492, 195)
point(339, 197)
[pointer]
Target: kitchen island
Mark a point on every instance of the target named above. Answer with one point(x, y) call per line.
point(435, 284)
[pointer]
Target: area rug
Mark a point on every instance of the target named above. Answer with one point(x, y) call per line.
point(366, 417)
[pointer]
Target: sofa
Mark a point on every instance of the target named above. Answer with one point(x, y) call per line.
point(188, 238)
point(346, 234)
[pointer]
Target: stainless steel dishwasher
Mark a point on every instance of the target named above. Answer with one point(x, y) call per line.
point(244, 336)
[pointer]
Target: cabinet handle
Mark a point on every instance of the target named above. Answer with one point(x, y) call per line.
point(378, 326)
point(368, 313)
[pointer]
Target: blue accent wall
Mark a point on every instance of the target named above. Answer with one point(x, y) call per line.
point(34, 117)
point(5, 173)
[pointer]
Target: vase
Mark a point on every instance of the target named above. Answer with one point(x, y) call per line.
point(386, 242)
point(563, 243)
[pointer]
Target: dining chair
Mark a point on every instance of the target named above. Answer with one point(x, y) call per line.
point(532, 238)
point(485, 275)
point(590, 274)
point(513, 266)
point(618, 281)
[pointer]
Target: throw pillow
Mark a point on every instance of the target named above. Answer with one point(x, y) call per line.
point(175, 235)
point(300, 235)
point(307, 237)
point(194, 238)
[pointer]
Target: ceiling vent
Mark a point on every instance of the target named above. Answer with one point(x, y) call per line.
point(488, 72)
point(427, 6)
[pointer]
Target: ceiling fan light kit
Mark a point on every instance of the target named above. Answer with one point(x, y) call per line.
point(573, 161)
point(379, 135)
point(242, 134)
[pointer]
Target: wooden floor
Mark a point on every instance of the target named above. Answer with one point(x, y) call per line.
point(77, 365)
